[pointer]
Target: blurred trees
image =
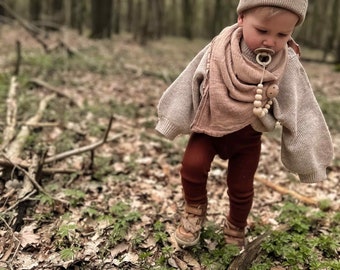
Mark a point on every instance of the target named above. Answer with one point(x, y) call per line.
point(152, 19)
point(101, 15)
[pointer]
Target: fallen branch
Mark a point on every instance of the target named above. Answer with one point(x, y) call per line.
point(30, 28)
point(149, 73)
point(19, 58)
point(8, 162)
point(25, 165)
point(15, 147)
point(246, 258)
point(252, 251)
point(11, 115)
point(276, 187)
point(59, 92)
point(9, 251)
point(85, 148)
point(285, 191)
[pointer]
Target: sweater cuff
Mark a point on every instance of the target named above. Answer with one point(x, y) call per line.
point(313, 177)
point(167, 129)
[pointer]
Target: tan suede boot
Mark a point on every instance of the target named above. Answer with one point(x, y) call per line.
point(234, 235)
point(188, 232)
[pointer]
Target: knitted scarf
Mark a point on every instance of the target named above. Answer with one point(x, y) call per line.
point(230, 85)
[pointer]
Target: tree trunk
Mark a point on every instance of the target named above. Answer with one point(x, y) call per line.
point(56, 11)
point(78, 9)
point(141, 25)
point(159, 18)
point(116, 15)
point(188, 18)
point(172, 23)
point(218, 17)
point(34, 10)
point(333, 34)
point(129, 15)
point(101, 19)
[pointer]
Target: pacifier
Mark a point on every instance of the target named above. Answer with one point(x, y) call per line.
point(264, 56)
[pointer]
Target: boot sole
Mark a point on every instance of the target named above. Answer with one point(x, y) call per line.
point(184, 244)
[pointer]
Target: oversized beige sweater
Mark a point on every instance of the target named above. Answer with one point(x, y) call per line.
point(306, 145)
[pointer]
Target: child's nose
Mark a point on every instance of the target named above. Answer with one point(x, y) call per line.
point(269, 42)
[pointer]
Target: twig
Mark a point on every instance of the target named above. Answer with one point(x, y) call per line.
point(28, 175)
point(31, 29)
point(283, 190)
point(56, 90)
point(14, 149)
point(14, 237)
point(19, 58)
point(11, 114)
point(20, 200)
point(276, 187)
point(85, 148)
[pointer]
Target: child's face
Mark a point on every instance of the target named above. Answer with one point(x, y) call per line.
point(270, 31)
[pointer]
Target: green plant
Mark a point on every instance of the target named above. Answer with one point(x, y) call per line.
point(91, 212)
point(66, 231)
point(122, 219)
point(160, 235)
point(103, 167)
point(212, 251)
point(67, 254)
point(303, 244)
point(138, 238)
point(44, 199)
point(325, 204)
point(66, 240)
point(75, 196)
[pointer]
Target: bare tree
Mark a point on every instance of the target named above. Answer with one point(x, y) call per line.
point(77, 12)
point(35, 9)
point(117, 4)
point(101, 19)
point(188, 8)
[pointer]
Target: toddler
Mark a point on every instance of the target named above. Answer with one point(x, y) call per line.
point(244, 82)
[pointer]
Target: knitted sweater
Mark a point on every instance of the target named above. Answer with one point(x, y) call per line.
point(306, 146)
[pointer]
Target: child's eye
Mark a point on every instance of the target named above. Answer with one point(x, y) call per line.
point(261, 31)
point(283, 35)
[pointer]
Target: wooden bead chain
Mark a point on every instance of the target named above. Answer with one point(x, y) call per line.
point(263, 58)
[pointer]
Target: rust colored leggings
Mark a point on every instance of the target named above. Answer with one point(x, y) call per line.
point(242, 148)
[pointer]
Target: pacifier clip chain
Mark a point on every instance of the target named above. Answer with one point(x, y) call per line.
point(264, 58)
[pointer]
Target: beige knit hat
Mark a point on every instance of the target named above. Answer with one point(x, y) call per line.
point(299, 7)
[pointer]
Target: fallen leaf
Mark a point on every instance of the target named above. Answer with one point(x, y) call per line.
point(28, 237)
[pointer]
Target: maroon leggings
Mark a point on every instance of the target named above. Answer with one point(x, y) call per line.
point(242, 148)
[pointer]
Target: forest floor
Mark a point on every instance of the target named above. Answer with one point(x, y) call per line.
point(119, 207)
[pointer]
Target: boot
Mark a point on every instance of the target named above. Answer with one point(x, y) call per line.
point(234, 235)
point(188, 232)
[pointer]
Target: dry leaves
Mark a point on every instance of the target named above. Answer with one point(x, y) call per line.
point(141, 171)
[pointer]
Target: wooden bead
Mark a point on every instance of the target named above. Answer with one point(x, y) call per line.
point(258, 97)
point(272, 91)
point(257, 111)
point(257, 103)
point(259, 91)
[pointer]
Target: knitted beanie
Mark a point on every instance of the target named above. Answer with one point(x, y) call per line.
point(299, 7)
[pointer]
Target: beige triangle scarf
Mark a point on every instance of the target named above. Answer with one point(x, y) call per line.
point(230, 85)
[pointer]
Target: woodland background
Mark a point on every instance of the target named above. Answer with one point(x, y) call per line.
point(86, 183)
point(153, 19)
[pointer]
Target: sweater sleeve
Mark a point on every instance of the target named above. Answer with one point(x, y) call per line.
point(178, 104)
point(306, 145)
